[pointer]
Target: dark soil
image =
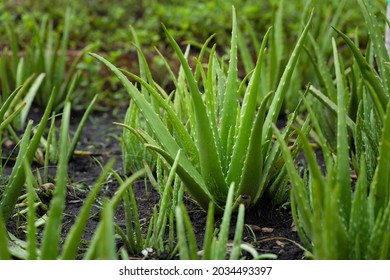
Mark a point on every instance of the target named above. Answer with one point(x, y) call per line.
point(271, 231)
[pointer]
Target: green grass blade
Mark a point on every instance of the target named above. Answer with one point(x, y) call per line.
point(52, 231)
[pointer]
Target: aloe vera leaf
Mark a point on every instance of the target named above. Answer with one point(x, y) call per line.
point(378, 247)
point(14, 45)
point(201, 56)
point(202, 196)
point(4, 74)
point(244, 52)
point(208, 236)
point(6, 103)
point(187, 143)
point(192, 247)
point(106, 247)
point(225, 225)
point(114, 202)
point(247, 122)
point(331, 105)
point(235, 254)
point(11, 117)
point(229, 106)
point(376, 36)
point(134, 216)
point(31, 229)
point(17, 177)
point(52, 231)
point(276, 46)
point(252, 166)
point(334, 243)
point(359, 230)
point(323, 70)
point(298, 187)
point(72, 242)
point(181, 234)
point(80, 127)
point(22, 92)
point(367, 72)
point(61, 63)
point(277, 101)
point(337, 19)
point(165, 200)
point(210, 163)
point(325, 149)
point(4, 251)
point(29, 98)
point(343, 169)
point(380, 189)
point(211, 94)
point(159, 128)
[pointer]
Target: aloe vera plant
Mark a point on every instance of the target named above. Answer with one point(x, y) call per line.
point(333, 221)
point(223, 142)
point(46, 57)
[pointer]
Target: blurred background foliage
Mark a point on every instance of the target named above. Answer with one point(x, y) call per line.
point(105, 25)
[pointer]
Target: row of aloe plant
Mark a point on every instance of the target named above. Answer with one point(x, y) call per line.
point(335, 219)
point(60, 151)
point(222, 150)
point(42, 64)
